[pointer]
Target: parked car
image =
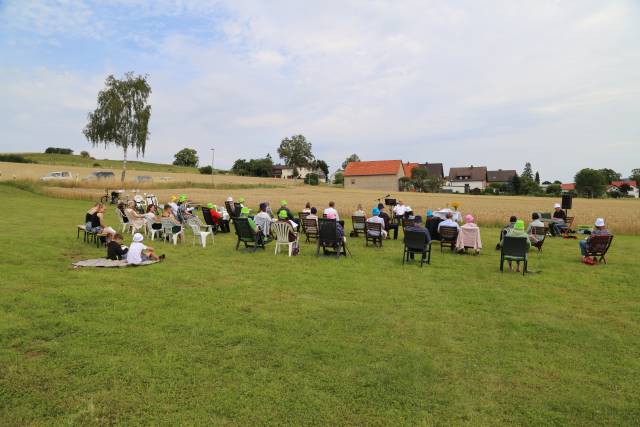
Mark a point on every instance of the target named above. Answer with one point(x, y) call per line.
point(99, 175)
point(57, 176)
point(143, 178)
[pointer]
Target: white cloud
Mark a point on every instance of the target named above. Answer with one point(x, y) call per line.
point(421, 80)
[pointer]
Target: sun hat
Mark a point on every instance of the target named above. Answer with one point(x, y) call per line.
point(211, 205)
point(375, 211)
point(241, 200)
point(519, 225)
point(600, 222)
point(138, 237)
point(429, 213)
point(229, 199)
point(183, 198)
point(331, 215)
point(557, 206)
point(468, 218)
point(174, 198)
point(283, 203)
point(245, 211)
point(283, 214)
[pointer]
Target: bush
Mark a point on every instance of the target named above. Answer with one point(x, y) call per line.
point(55, 150)
point(97, 165)
point(15, 158)
point(312, 179)
point(475, 191)
point(85, 154)
point(206, 170)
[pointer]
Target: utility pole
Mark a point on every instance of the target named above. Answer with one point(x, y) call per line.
point(213, 152)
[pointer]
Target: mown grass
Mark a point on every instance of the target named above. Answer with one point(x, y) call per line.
point(77, 160)
point(214, 336)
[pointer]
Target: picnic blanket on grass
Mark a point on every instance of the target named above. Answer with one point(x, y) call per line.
point(107, 263)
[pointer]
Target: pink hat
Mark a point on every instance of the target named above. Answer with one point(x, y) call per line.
point(331, 215)
point(468, 218)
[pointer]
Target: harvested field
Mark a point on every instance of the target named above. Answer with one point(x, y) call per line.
point(622, 216)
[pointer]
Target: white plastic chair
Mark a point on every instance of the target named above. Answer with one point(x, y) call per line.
point(121, 217)
point(281, 230)
point(197, 229)
point(167, 230)
point(136, 224)
point(153, 231)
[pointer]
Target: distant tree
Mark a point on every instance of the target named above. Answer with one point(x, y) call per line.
point(537, 179)
point(610, 175)
point(122, 116)
point(625, 188)
point(557, 182)
point(546, 183)
point(590, 182)
point(186, 157)
point(554, 189)
point(55, 150)
point(418, 178)
point(296, 151)
point(351, 158)
point(206, 170)
point(635, 175)
point(514, 184)
point(405, 184)
point(338, 179)
point(241, 167)
point(527, 172)
point(253, 167)
point(312, 179)
point(85, 154)
point(322, 166)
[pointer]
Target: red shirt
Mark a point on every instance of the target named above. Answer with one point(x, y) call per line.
point(215, 216)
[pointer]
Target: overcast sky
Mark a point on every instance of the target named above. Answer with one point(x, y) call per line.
point(493, 83)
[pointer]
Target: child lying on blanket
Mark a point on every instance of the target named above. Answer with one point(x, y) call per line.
point(138, 252)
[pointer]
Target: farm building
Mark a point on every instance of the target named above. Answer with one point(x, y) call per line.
point(374, 175)
point(463, 180)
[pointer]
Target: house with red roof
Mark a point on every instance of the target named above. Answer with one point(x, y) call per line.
point(570, 186)
point(380, 175)
point(632, 191)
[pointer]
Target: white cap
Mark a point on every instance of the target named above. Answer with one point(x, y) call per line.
point(599, 222)
point(138, 237)
point(229, 199)
point(557, 206)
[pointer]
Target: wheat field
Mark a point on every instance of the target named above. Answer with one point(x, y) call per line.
point(622, 215)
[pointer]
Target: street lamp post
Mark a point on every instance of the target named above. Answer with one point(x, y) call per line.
point(213, 151)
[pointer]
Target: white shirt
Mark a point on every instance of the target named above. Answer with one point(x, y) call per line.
point(448, 223)
point(333, 211)
point(150, 217)
point(376, 220)
point(399, 210)
point(174, 208)
point(134, 256)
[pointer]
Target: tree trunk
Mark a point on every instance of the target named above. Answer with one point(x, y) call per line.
point(124, 165)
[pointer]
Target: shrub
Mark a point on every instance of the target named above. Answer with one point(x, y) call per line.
point(56, 150)
point(15, 158)
point(206, 170)
point(85, 154)
point(311, 179)
point(97, 165)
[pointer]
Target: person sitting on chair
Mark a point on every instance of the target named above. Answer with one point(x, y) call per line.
point(535, 238)
point(339, 228)
point(151, 217)
point(115, 248)
point(418, 228)
point(449, 222)
point(359, 211)
point(599, 229)
point(559, 219)
point(388, 225)
point(505, 229)
point(517, 231)
point(313, 214)
point(139, 253)
point(263, 219)
point(375, 219)
point(167, 212)
point(284, 207)
point(432, 224)
point(469, 236)
point(307, 208)
point(216, 216)
point(283, 218)
point(94, 221)
point(332, 210)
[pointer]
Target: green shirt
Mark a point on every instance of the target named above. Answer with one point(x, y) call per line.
point(512, 232)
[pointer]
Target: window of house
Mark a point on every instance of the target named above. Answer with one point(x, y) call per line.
point(353, 181)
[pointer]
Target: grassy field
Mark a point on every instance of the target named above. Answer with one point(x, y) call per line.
point(76, 160)
point(214, 336)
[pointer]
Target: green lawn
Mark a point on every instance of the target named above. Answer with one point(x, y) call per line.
point(76, 160)
point(214, 336)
